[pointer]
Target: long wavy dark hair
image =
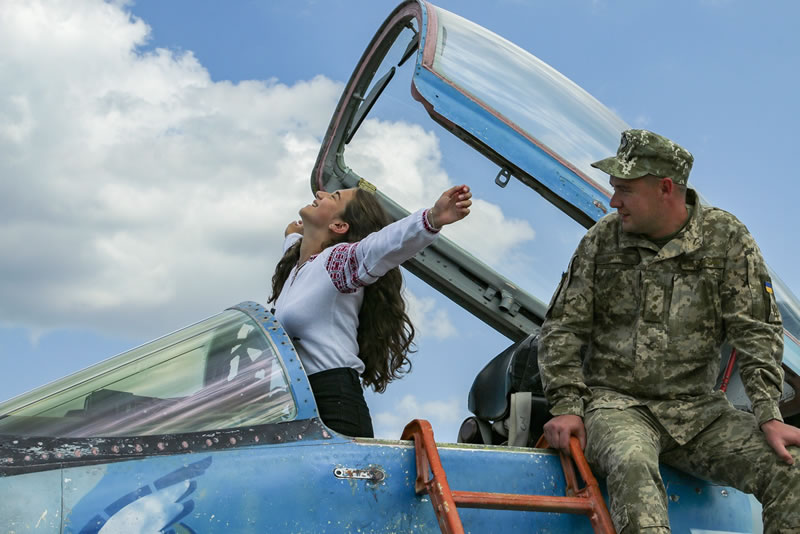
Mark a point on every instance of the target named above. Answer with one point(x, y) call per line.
point(385, 333)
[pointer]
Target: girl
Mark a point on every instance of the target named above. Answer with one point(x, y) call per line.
point(337, 294)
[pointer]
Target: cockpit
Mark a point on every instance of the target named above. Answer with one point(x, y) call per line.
point(224, 372)
point(524, 136)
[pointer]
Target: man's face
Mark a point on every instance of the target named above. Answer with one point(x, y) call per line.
point(638, 203)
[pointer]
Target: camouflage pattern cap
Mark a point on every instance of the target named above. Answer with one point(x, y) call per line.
point(642, 152)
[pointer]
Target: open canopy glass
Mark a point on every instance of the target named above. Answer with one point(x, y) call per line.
point(525, 117)
point(526, 94)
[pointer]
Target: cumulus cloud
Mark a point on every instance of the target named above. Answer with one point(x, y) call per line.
point(139, 195)
point(133, 181)
point(428, 320)
point(444, 416)
point(491, 236)
point(404, 161)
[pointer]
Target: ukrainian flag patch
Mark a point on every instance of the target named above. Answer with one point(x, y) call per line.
point(768, 287)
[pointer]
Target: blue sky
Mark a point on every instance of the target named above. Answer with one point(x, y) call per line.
point(114, 232)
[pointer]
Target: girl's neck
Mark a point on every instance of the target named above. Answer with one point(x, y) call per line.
point(313, 243)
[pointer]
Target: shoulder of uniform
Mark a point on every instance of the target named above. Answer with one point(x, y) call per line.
point(601, 233)
point(726, 230)
point(609, 224)
point(719, 214)
point(719, 219)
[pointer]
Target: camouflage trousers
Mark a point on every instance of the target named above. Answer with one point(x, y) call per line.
point(625, 446)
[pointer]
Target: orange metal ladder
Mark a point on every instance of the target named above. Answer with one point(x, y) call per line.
point(587, 501)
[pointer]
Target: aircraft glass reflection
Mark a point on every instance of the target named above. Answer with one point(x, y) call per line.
point(221, 373)
point(529, 93)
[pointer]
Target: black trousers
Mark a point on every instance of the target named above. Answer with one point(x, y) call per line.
point(340, 402)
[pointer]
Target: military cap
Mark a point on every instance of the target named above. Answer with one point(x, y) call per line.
point(642, 152)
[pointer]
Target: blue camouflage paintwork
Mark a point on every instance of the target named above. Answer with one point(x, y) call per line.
point(292, 488)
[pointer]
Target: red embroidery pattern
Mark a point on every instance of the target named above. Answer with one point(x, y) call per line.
point(427, 224)
point(352, 266)
point(344, 256)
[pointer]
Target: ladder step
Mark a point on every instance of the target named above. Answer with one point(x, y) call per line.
point(531, 503)
point(431, 479)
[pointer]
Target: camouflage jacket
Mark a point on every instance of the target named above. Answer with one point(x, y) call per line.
point(632, 325)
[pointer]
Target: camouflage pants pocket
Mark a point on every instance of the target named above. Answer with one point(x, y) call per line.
point(623, 524)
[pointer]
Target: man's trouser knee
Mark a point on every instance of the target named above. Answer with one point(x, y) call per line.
point(624, 446)
point(733, 451)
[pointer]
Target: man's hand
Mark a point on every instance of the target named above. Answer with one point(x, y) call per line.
point(295, 227)
point(779, 435)
point(452, 206)
point(559, 429)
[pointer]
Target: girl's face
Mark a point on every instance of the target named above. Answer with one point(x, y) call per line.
point(327, 208)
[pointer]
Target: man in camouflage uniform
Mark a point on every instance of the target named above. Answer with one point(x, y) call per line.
point(630, 347)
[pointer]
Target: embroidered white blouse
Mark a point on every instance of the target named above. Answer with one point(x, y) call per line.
point(319, 303)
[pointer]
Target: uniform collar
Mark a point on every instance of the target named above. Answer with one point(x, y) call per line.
point(688, 240)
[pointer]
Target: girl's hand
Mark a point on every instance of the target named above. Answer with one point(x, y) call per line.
point(452, 206)
point(295, 227)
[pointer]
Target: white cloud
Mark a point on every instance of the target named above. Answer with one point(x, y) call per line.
point(444, 416)
point(139, 195)
point(404, 161)
point(429, 321)
point(490, 235)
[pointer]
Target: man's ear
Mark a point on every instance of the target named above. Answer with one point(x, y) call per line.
point(667, 185)
point(339, 227)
